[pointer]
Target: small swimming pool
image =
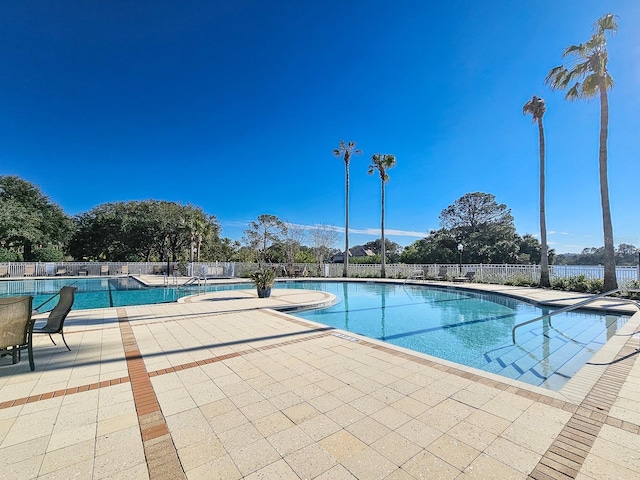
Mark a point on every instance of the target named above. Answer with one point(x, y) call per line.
point(465, 327)
point(101, 292)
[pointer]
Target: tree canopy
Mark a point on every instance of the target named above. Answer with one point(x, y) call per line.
point(28, 219)
point(141, 231)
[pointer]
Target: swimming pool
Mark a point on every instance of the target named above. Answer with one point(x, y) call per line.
point(465, 327)
point(469, 328)
point(101, 292)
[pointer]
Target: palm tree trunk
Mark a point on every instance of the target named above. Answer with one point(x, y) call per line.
point(383, 250)
point(544, 255)
point(610, 280)
point(345, 270)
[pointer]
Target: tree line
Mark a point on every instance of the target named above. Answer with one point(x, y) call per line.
point(474, 229)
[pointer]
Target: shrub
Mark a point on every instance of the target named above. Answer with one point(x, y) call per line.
point(9, 256)
point(521, 281)
point(48, 254)
point(578, 283)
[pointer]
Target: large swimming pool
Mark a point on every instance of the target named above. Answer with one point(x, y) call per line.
point(470, 328)
point(465, 327)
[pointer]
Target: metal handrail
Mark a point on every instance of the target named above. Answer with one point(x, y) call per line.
point(575, 306)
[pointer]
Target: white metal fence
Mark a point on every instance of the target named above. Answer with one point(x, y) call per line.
point(483, 273)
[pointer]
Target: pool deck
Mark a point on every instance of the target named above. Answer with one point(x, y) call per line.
point(224, 385)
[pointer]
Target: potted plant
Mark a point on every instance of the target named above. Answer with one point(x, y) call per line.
point(263, 278)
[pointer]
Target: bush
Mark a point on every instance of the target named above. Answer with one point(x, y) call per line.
point(578, 283)
point(48, 254)
point(521, 281)
point(9, 256)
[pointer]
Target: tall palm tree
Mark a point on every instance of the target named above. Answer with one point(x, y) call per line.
point(346, 151)
point(382, 163)
point(589, 64)
point(537, 108)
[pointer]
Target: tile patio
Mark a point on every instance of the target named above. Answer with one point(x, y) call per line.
point(224, 386)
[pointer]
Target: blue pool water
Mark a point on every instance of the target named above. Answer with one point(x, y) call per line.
point(469, 328)
point(101, 292)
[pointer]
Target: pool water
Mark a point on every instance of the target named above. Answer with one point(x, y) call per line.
point(101, 292)
point(470, 328)
point(465, 327)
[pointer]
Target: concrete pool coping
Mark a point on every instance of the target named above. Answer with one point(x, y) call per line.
point(235, 389)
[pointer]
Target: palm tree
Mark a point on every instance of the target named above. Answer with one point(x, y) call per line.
point(382, 163)
point(345, 151)
point(537, 108)
point(590, 65)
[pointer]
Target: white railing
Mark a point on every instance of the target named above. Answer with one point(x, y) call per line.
point(483, 273)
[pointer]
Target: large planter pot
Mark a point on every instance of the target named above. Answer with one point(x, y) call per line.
point(264, 292)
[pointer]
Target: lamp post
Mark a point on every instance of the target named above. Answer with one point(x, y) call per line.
point(460, 249)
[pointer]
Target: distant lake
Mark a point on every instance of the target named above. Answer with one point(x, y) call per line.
point(594, 271)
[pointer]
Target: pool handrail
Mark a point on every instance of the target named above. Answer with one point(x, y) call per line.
point(577, 305)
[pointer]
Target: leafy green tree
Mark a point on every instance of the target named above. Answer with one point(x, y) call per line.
point(216, 249)
point(263, 233)
point(589, 63)
point(529, 250)
point(382, 163)
point(139, 231)
point(483, 226)
point(437, 247)
point(392, 250)
point(537, 108)
point(626, 254)
point(29, 219)
point(346, 151)
point(305, 255)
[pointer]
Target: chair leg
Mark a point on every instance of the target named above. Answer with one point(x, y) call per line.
point(51, 338)
point(65, 342)
point(32, 365)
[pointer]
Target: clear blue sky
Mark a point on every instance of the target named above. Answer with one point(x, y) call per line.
point(236, 106)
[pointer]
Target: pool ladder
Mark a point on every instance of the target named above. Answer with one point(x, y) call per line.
point(578, 305)
point(200, 281)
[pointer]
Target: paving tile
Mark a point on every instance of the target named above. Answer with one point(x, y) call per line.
point(396, 448)
point(391, 417)
point(488, 468)
point(453, 451)
point(513, 455)
point(200, 453)
point(273, 423)
point(367, 463)
point(319, 427)
point(310, 461)
point(82, 469)
point(368, 430)
point(472, 435)
point(277, 470)
point(341, 445)
point(253, 457)
point(337, 472)
point(221, 468)
point(290, 440)
point(345, 415)
point(300, 412)
point(244, 434)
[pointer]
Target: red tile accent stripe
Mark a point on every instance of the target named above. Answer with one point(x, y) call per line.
point(153, 427)
point(61, 393)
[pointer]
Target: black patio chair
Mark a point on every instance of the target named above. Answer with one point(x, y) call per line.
point(16, 327)
point(55, 322)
